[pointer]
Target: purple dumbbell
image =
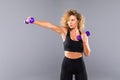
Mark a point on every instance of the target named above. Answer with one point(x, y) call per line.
point(31, 20)
point(87, 33)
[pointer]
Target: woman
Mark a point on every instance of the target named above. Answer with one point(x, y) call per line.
point(72, 25)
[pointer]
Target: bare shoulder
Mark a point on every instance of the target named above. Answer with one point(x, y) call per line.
point(83, 33)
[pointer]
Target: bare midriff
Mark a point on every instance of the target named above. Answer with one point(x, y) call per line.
point(73, 55)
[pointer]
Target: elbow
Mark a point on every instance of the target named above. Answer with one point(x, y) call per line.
point(48, 24)
point(87, 53)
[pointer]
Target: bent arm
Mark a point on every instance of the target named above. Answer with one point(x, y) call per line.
point(49, 26)
point(86, 49)
point(86, 46)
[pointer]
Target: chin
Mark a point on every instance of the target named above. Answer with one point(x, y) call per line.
point(71, 28)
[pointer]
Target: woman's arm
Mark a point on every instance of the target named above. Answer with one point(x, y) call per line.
point(86, 44)
point(49, 26)
point(44, 24)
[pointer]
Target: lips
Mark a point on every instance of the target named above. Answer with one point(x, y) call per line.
point(71, 25)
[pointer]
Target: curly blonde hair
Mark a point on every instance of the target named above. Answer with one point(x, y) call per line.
point(79, 17)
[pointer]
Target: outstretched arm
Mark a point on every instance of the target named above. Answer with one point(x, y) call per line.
point(49, 25)
point(44, 24)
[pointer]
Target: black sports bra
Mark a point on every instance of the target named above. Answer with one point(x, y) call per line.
point(71, 45)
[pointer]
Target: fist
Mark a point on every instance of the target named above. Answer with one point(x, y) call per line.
point(29, 20)
point(84, 38)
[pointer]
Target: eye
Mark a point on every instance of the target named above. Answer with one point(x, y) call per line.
point(72, 19)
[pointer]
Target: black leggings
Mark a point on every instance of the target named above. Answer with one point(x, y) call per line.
point(72, 67)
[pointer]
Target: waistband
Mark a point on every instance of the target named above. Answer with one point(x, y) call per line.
point(78, 59)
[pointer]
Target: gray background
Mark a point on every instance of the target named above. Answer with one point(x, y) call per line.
point(29, 52)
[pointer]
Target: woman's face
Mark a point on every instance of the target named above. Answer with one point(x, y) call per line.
point(72, 22)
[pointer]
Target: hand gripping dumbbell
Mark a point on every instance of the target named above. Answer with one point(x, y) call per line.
point(87, 33)
point(29, 20)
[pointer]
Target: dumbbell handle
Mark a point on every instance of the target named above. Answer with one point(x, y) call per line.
point(87, 33)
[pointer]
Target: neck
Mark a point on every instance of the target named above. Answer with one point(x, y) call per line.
point(74, 29)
